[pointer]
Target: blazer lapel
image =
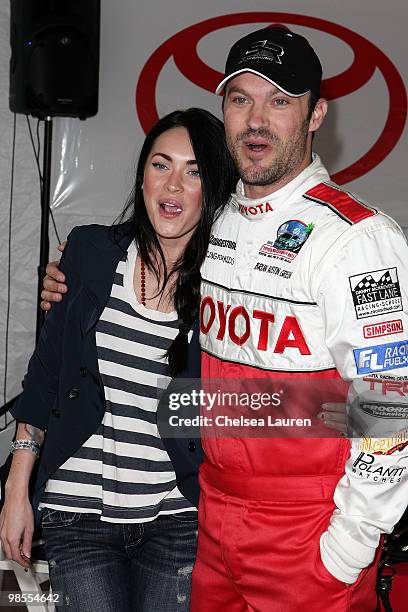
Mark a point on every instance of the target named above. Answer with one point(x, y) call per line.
point(98, 274)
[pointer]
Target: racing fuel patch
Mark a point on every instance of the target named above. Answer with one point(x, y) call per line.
point(376, 293)
point(381, 357)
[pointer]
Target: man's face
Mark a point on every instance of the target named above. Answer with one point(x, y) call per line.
point(268, 133)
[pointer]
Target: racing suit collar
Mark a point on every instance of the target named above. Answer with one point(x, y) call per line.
point(258, 208)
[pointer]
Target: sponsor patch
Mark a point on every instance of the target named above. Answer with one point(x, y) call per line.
point(381, 357)
point(290, 238)
point(389, 377)
point(223, 322)
point(376, 293)
point(395, 449)
point(261, 267)
point(385, 411)
point(256, 209)
point(263, 50)
point(385, 328)
point(367, 466)
point(223, 243)
point(220, 257)
point(388, 384)
point(385, 446)
point(292, 235)
point(268, 250)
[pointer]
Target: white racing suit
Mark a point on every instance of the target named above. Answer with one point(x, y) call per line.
point(309, 282)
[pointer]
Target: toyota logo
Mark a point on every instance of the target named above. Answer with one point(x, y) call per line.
point(367, 59)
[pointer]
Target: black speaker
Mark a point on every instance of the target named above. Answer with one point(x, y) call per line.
point(54, 65)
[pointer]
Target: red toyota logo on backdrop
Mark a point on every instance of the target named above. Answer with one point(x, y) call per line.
point(367, 58)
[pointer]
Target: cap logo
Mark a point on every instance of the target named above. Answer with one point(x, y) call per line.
point(265, 50)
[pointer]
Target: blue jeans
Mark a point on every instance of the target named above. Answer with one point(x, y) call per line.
point(112, 567)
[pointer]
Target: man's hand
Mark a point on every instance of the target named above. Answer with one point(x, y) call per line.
point(334, 416)
point(53, 283)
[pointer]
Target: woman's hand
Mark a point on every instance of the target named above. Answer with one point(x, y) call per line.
point(53, 283)
point(16, 528)
point(17, 516)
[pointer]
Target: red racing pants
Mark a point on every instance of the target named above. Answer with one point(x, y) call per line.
point(258, 546)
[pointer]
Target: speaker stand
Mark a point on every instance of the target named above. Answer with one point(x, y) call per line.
point(45, 217)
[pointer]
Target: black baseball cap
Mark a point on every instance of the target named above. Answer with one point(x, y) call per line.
point(278, 55)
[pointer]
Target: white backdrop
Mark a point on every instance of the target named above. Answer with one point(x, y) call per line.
point(93, 160)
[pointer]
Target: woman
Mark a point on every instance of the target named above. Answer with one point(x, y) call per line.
point(119, 533)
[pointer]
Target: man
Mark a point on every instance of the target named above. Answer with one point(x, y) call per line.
point(291, 524)
point(300, 280)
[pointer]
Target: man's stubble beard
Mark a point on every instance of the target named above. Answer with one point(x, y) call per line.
point(288, 155)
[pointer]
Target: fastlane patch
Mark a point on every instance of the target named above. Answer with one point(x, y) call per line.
point(376, 293)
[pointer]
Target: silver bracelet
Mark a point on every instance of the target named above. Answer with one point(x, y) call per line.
point(25, 445)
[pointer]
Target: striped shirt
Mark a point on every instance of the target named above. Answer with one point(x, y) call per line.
point(123, 471)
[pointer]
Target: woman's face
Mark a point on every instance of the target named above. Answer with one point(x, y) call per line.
point(172, 186)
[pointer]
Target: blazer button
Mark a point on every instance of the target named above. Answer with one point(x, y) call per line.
point(73, 394)
point(55, 412)
point(191, 446)
point(82, 371)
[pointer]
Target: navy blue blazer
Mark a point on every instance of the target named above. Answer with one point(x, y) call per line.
point(63, 392)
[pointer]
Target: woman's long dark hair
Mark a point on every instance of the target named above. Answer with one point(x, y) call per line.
point(218, 178)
